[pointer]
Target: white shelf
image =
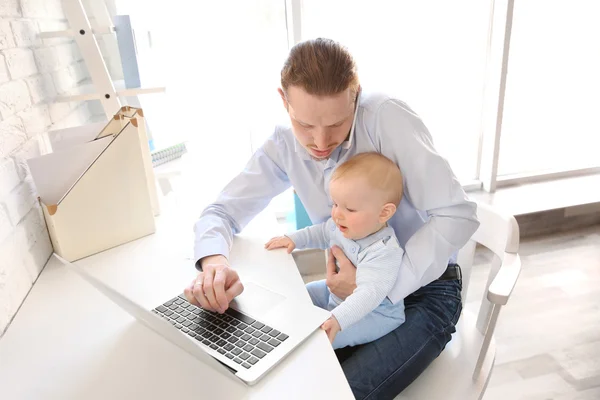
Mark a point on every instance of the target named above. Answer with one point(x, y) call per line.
point(89, 91)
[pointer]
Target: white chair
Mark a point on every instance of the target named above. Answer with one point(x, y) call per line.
point(463, 369)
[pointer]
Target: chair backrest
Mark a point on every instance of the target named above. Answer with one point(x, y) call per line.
point(500, 234)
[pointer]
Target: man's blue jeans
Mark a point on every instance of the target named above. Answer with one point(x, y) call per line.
point(383, 368)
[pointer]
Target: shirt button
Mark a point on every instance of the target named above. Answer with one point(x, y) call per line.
point(353, 249)
point(333, 228)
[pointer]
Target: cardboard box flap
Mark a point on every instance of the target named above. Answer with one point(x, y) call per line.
point(55, 174)
point(64, 138)
point(119, 121)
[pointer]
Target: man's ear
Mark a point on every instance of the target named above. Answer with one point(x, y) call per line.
point(283, 98)
point(387, 211)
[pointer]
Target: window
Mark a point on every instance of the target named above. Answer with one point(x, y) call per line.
point(430, 54)
point(550, 111)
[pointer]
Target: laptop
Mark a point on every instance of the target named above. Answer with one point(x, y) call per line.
point(260, 328)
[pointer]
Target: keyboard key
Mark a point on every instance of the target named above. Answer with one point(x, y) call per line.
point(173, 306)
point(253, 360)
point(265, 338)
point(206, 334)
point(236, 351)
point(199, 330)
point(240, 343)
point(237, 360)
point(257, 334)
point(199, 338)
point(219, 331)
point(179, 301)
point(229, 355)
point(185, 313)
point(232, 339)
point(274, 333)
point(177, 326)
point(274, 342)
point(227, 318)
point(206, 342)
point(266, 329)
point(264, 347)
point(248, 348)
point(228, 346)
point(180, 319)
point(179, 310)
point(257, 325)
point(231, 329)
point(191, 307)
point(186, 330)
point(214, 346)
point(258, 353)
point(249, 329)
point(221, 351)
point(253, 341)
point(242, 326)
point(223, 325)
point(246, 365)
point(204, 324)
point(168, 303)
point(245, 336)
point(225, 335)
point(235, 322)
point(192, 334)
point(193, 326)
point(161, 309)
point(239, 315)
point(222, 343)
point(186, 323)
point(244, 356)
point(282, 337)
point(168, 312)
point(238, 333)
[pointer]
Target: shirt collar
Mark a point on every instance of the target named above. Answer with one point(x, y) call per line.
point(375, 237)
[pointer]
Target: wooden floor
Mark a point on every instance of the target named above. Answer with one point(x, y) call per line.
point(548, 336)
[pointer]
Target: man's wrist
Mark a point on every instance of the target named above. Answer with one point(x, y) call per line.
point(212, 259)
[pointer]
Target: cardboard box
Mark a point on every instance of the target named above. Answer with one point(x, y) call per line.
point(97, 190)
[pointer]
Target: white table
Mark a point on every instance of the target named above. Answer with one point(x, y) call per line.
point(68, 341)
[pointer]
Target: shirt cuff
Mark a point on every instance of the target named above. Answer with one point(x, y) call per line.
point(298, 239)
point(343, 318)
point(210, 247)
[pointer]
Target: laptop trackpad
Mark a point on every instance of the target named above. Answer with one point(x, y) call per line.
point(257, 300)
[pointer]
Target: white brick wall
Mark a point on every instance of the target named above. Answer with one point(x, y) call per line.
point(32, 73)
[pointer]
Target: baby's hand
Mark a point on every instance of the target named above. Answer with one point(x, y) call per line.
point(332, 327)
point(281, 241)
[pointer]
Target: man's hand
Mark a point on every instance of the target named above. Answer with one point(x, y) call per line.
point(341, 283)
point(331, 327)
point(214, 287)
point(281, 241)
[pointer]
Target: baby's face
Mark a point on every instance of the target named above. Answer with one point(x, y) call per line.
point(356, 207)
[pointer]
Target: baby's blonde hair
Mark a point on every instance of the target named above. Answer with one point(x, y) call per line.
point(381, 173)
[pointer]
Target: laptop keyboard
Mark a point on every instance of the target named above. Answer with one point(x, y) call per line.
point(233, 334)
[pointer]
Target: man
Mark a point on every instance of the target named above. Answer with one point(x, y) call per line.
point(332, 119)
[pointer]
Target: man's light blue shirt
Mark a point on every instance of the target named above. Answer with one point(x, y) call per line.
point(434, 219)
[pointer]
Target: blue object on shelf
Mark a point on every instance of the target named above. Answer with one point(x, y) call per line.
point(302, 219)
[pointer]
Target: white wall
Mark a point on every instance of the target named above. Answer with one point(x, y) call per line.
point(32, 73)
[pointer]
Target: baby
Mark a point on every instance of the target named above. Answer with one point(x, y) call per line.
point(365, 190)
